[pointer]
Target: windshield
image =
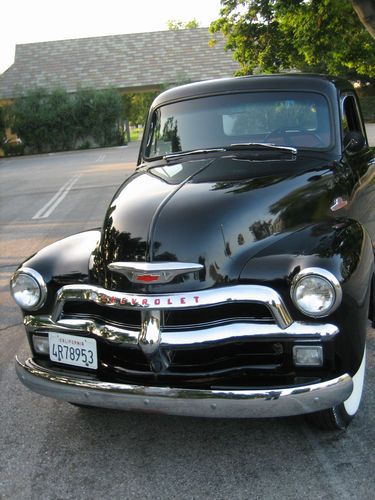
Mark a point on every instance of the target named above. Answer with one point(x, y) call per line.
point(296, 119)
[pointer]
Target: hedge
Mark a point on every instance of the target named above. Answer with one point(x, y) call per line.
point(60, 121)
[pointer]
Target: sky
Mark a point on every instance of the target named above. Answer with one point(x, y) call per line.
point(31, 21)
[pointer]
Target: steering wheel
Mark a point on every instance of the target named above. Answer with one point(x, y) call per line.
point(287, 137)
point(318, 139)
point(279, 132)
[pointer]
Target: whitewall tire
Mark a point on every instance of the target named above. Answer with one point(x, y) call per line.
point(339, 417)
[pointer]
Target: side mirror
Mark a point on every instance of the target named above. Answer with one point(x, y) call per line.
point(354, 142)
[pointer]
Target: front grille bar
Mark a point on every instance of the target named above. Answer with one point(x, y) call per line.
point(189, 300)
point(183, 339)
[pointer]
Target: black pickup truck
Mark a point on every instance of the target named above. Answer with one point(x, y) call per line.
point(233, 275)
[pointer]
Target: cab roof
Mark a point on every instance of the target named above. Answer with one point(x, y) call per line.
point(286, 81)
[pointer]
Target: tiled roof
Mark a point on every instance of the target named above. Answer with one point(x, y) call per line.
point(131, 61)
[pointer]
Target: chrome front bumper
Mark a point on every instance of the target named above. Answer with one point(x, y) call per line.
point(249, 403)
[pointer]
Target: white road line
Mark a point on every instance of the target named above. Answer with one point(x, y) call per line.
point(50, 206)
point(100, 158)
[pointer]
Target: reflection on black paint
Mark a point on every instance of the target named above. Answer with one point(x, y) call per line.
point(262, 229)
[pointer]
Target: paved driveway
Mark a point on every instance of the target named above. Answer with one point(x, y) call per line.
point(370, 128)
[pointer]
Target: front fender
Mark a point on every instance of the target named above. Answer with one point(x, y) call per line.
point(64, 262)
point(342, 247)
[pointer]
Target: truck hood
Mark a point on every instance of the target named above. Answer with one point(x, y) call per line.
point(217, 212)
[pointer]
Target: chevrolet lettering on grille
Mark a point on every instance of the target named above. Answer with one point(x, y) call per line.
point(144, 302)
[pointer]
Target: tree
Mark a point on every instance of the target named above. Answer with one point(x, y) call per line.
point(180, 25)
point(365, 10)
point(107, 109)
point(139, 106)
point(30, 119)
point(58, 112)
point(323, 36)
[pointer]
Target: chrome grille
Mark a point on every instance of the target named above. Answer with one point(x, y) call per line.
point(171, 320)
point(205, 337)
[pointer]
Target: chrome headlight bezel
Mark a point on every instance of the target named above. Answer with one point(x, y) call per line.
point(39, 282)
point(326, 278)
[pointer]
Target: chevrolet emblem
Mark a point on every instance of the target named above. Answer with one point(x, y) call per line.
point(153, 272)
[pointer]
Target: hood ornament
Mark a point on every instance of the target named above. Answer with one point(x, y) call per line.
point(153, 272)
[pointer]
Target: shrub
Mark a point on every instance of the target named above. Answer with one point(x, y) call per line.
point(58, 120)
point(2, 125)
point(13, 148)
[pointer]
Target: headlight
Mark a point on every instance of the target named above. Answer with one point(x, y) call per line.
point(316, 292)
point(28, 289)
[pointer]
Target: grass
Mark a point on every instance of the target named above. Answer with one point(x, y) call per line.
point(136, 133)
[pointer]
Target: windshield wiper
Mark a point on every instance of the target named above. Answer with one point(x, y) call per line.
point(256, 146)
point(252, 146)
point(172, 156)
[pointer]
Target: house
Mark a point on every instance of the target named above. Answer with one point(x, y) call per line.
point(133, 62)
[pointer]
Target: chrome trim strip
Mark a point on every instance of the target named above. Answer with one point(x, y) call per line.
point(263, 145)
point(170, 156)
point(182, 338)
point(147, 267)
point(155, 266)
point(214, 296)
point(338, 204)
point(248, 403)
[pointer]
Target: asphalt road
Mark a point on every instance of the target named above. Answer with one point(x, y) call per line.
point(52, 450)
point(370, 129)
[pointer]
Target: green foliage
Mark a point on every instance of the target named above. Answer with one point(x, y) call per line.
point(57, 112)
point(138, 107)
point(85, 145)
point(2, 125)
point(172, 24)
point(136, 133)
point(98, 115)
point(30, 119)
point(322, 36)
point(13, 148)
point(60, 121)
point(368, 108)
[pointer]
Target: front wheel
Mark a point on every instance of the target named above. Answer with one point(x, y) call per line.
point(339, 417)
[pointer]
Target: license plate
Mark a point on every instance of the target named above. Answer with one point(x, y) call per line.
point(73, 350)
